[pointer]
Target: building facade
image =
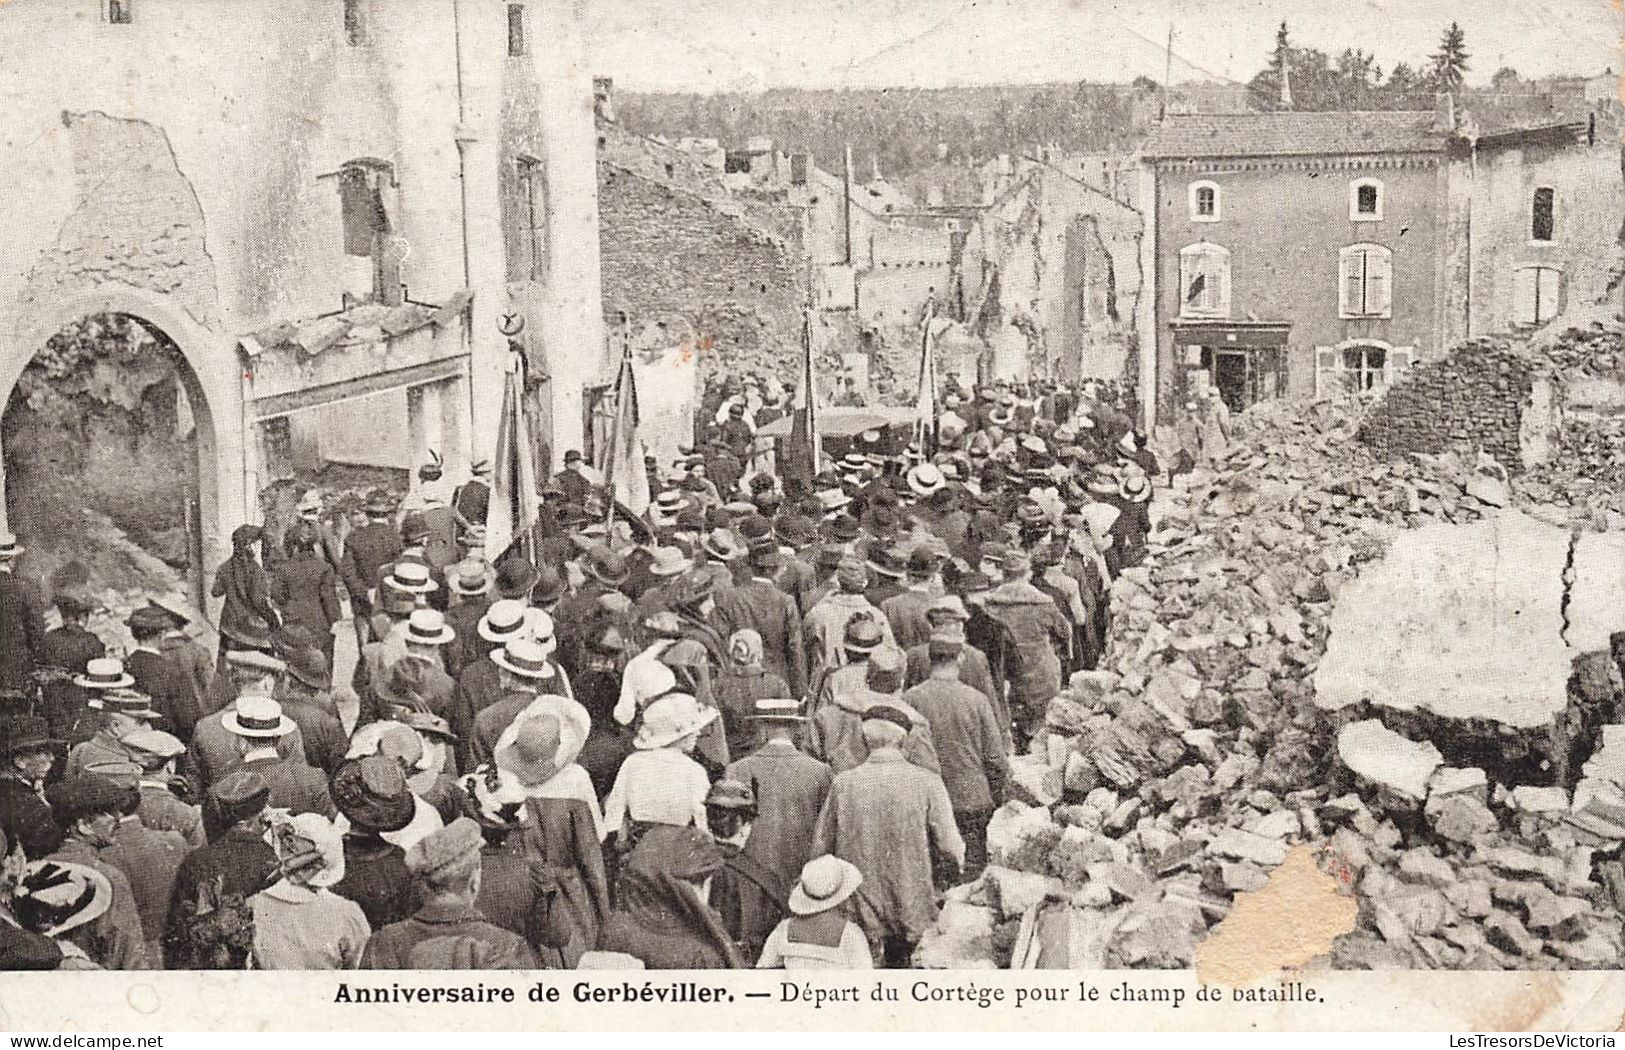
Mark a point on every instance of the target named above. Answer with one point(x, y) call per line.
point(1292, 254)
point(316, 200)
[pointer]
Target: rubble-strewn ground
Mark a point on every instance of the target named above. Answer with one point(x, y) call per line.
point(1184, 771)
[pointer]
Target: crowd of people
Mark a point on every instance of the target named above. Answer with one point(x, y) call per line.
point(765, 724)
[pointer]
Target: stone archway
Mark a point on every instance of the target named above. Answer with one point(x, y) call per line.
point(211, 380)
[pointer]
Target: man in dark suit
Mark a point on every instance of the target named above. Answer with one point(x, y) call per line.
point(571, 481)
point(171, 691)
point(366, 551)
point(759, 605)
point(69, 648)
point(22, 619)
point(258, 722)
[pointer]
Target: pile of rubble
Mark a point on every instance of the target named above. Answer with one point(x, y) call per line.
point(1473, 397)
point(1586, 466)
point(1184, 771)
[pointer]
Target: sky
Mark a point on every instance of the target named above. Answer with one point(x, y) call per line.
point(730, 45)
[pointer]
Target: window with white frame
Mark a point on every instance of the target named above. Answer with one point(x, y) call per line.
point(1365, 281)
point(118, 12)
point(1359, 367)
point(1204, 281)
point(1542, 215)
point(1365, 200)
point(1537, 293)
point(1204, 201)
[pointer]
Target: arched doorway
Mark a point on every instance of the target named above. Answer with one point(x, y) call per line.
point(207, 390)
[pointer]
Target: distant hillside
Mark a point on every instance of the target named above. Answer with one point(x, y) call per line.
point(900, 128)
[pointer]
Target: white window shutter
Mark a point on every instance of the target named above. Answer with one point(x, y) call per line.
point(1348, 283)
point(1397, 364)
point(1523, 296)
point(1551, 291)
point(1221, 284)
point(1326, 367)
point(1189, 267)
point(1379, 273)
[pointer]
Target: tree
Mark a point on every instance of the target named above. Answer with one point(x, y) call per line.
point(1505, 80)
point(1450, 61)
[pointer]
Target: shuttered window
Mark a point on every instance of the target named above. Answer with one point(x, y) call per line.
point(1365, 281)
point(1537, 292)
point(1204, 281)
point(1359, 368)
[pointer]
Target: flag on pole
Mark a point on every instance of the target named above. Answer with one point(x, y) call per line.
point(515, 501)
point(622, 458)
point(925, 418)
point(801, 452)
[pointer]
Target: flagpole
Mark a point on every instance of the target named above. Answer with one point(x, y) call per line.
point(928, 379)
point(615, 429)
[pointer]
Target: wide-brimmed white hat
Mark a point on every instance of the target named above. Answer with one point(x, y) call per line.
point(55, 896)
point(411, 577)
point(670, 719)
point(504, 621)
point(669, 561)
point(258, 718)
point(925, 479)
point(825, 883)
point(428, 627)
point(524, 657)
point(104, 673)
point(543, 739)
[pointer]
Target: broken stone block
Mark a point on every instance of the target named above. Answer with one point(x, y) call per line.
point(1460, 818)
point(1449, 780)
point(1514, 861)
point(1021, 836)
point(1527, 799)
point(1010, 892)
point(1471, 898)
point(1422, 909)
point(1561, 917)
point(1486, 601)
point(1122, 818)
point(1593, 951)
point(961, 938)
point(1506, 932)
point(1243, 876)
point(1382, 757)
point(1419, 865)
point(1283, 823)
point(1128, 882)
point(1244, 845)
point(1033, 781)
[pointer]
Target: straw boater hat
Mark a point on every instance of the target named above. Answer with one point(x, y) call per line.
point(825, 883)
point(539, 627)
point(925, 480)
point(427, 627)
point(524, 657)
point(104, 673)
point(1126, 445)
point(310, 503)
point(1135, 488)
point(669, 561)
point(723, 545)
point(258, 718)
point(54, 897)
point(833, 501)
point(670, 719)
point(470, 577)
point(411, 577)
point(504, 621)
point(777, 710)
point(126, 702)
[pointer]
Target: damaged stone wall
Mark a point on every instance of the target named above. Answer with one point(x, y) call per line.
point(1472, 398)
point(716, 281)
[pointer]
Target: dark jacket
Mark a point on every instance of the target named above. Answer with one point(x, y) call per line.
point(171, 690)
point(737, 690)
point(366, 551)
point(790, 790)
point(1037, 641)
point(305, 588)
point(324, 735)
point(447, 937)
point(762, 607)
point(246, 616)
point(26, 818)
point(236, 864)
point(22, 626)
point(970, 749)
point(295, 786)
point(376, 878)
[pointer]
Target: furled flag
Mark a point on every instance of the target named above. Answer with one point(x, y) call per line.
point(799, 458)
point(925, 415)
point(515, 501)
point(622, 458)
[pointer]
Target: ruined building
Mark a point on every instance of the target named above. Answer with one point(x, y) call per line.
point(315, 202)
